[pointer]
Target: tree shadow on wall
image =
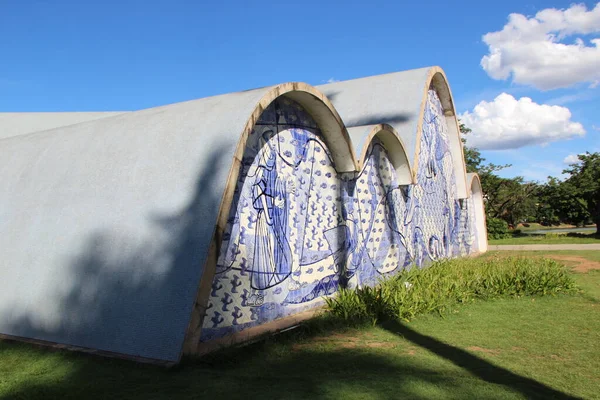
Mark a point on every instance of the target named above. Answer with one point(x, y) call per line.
point(391, 119)
point(130, 295)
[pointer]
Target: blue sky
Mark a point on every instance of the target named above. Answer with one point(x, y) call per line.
point(62, 55)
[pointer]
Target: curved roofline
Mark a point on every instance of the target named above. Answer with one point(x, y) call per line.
point(328, 120)
point(395, 147)
point(338, 142)
point(436, 77)
point(321, 109)
point(476, 194)
point(471, 178)
point(13, 124)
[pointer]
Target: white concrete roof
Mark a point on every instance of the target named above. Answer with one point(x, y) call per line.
point(398, 99)
point(22, 123)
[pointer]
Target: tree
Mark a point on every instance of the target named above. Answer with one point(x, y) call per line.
point(584, 184)
point(574, 200)
point(511, 199)
point(559, 202)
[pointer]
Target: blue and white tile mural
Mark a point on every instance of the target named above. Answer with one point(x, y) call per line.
point(298, 230)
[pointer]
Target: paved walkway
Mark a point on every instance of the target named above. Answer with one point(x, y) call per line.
point(547, 247)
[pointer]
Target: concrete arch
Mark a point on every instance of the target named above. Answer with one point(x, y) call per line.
point(321, 109)
point(399, 99)
point(436, 79)
point(338, 142)
point(476, 198)
point(318, 105)
point(362, 136)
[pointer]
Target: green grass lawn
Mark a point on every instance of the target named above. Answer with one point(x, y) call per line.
point(548, 239)
point(591, 255)
point(529, 347)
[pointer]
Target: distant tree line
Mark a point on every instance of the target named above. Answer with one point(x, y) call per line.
point(573, 200)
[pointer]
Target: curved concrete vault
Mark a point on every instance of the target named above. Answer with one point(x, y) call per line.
point(181, 228)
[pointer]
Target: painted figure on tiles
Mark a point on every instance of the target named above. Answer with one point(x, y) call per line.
point(272, 262)
point(288, 234)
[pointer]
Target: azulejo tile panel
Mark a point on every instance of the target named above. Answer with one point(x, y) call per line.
point(298, 230)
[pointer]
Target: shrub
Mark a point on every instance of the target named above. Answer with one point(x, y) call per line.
point(448, 283)
point(497, 228)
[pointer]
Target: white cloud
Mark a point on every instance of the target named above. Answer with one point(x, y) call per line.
point(332, 80)
point(596, 128)
point(571, 159)
point(543, 51)
point(508, 123)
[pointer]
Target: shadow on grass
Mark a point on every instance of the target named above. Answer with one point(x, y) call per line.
point(257, 374)
point(479, 367)
point(288, 366)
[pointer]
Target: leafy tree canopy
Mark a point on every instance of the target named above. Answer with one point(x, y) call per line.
point(574, 200)
point(583, 184)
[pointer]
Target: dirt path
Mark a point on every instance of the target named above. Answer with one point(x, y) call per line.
point(580, 264)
